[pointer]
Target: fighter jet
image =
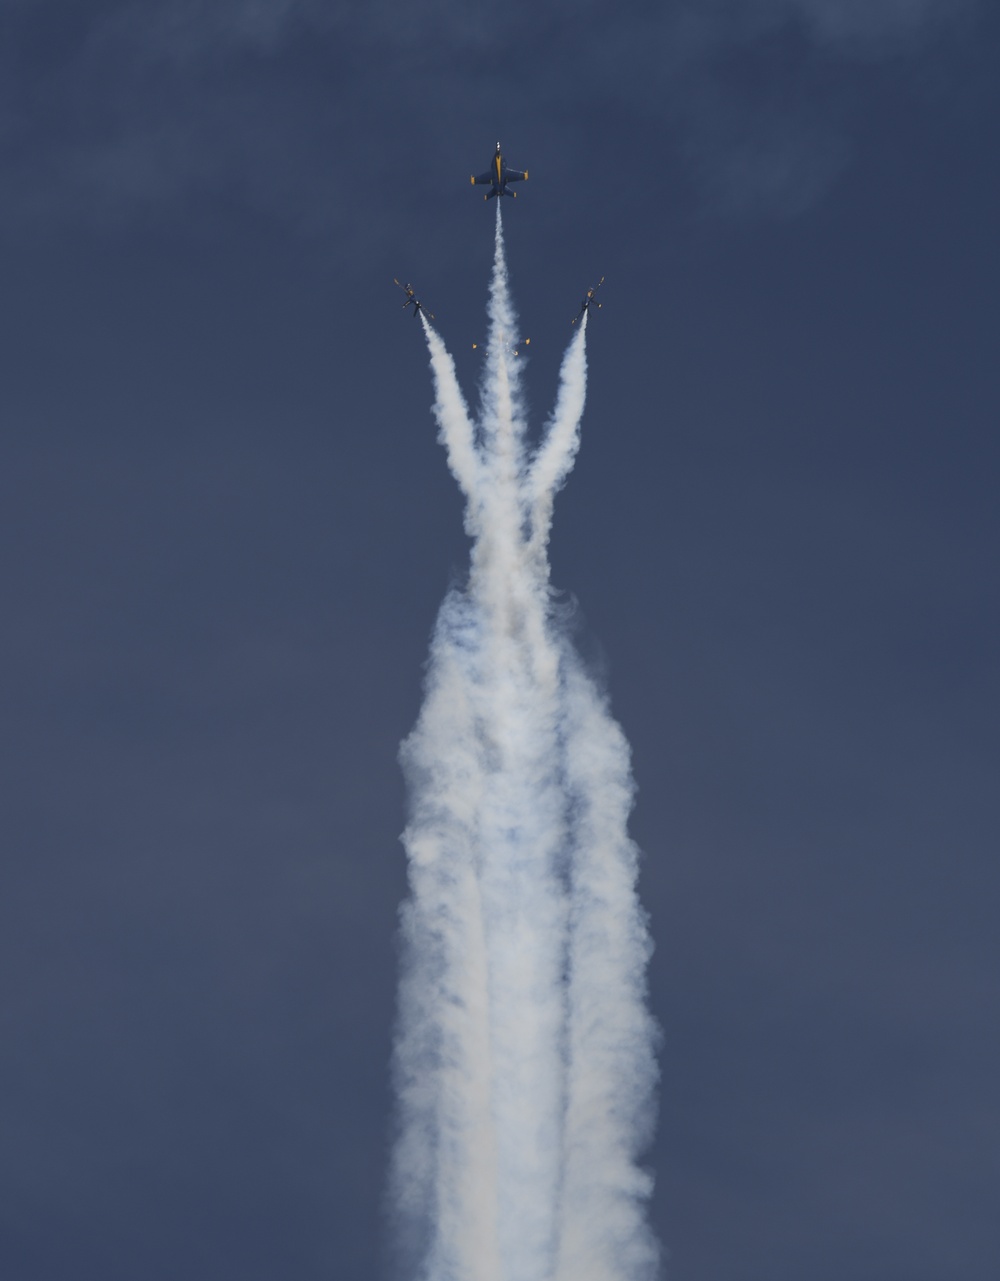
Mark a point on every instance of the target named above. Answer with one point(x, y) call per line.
point(411, 297)
point(498, 176)
point(588, 301)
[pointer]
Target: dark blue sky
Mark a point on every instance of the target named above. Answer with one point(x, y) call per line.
point(227, 526)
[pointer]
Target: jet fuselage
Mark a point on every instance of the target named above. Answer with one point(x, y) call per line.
point(498, 175)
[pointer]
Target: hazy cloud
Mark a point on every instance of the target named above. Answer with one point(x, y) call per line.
point(119, 106)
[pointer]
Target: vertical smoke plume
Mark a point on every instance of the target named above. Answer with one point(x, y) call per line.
point(524, 1063)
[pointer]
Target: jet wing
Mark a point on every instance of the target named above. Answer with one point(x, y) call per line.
point(483, 178)
point(514, 175)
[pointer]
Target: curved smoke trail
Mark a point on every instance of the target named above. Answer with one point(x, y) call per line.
point(524, 1063)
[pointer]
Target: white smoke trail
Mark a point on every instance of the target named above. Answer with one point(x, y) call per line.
point(557, 454)
point(456, 433)
point(611, 1035)
point(524, 1063)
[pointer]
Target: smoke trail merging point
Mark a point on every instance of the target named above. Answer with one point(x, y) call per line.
point(524, 1062)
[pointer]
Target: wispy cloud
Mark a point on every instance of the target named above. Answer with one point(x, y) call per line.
point(114, 108)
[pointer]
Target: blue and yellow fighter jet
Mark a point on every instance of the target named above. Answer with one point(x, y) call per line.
point(589, 300)
point(412, 299)
point(498, 175)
